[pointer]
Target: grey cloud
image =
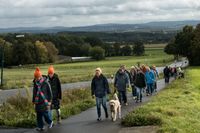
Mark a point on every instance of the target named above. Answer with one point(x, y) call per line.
point(85, 12)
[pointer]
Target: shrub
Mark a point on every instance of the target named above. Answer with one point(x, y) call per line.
point(134, 119)
point(97, 53)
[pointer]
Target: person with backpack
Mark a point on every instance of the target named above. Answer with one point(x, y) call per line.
point(121, 83)
point(150, 79)
point(42, 98)
point(100, 89)
point(140, 84)
point(54, 81)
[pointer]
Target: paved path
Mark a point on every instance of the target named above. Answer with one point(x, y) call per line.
point(85, 122)
point(4, 94)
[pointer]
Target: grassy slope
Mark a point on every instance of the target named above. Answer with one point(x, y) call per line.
point(73, 72)
point(176, 109)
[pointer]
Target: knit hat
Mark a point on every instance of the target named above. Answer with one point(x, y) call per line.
point(37, 73)
point(51, 70)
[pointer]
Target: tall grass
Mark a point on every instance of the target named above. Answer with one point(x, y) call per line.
point(175, 110)
point(18, 111)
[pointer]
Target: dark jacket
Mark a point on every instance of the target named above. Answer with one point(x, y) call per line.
point(133, 77)
point(129, 75)
point(55, 86)
point(121, 81)
point(166, 72)
point(46, 89)
point(99, 86)
point(140, 80)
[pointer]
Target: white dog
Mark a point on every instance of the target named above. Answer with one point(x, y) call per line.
point(115, 107)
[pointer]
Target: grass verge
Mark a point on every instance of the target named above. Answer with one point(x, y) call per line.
point(174, 110)
point(19, 110)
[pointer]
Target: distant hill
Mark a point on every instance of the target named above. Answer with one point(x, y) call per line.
point(145, 27)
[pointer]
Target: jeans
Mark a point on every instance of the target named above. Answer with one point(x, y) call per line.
point(47, 117)
point(122, 96)
point(99, 102)
point(150, 88)
point(139, 93)
point(134, 91)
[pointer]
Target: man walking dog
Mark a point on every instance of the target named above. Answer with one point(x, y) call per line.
point(100, 89)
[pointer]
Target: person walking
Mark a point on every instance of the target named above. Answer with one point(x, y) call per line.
point(140, 84)
point(166, 73)
point(42, 98)
point(100, 89)
point(54, 81)
point(121, 83)
point(133, 73)
point(156, 75)
point(150, 79)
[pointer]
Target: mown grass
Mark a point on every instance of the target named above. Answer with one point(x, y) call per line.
point(19, 111)
point(175, 109)
point(82, 71)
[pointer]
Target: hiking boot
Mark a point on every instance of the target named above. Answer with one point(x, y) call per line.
point(99, 119)
point(51, 125)
point(40, 129)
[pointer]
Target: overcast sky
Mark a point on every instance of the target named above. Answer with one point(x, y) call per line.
point(48, 13)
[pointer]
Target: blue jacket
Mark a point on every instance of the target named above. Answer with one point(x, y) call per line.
point(150, 77)
point(100, 86)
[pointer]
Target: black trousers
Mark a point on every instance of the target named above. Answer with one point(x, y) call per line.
point(122, 96)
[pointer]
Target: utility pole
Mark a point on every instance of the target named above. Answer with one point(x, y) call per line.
point(2, 57)
point(2, 61)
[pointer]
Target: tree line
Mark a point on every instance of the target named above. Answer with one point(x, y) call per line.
point(186, 43)
point(21, 53)
point(153, 37)
point(44, 48)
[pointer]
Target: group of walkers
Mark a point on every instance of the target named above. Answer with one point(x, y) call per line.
point(175, 72)
point(47, 91)
point(139, 78)
point(47, 94)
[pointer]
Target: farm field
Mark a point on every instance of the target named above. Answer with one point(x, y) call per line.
point(16, 77)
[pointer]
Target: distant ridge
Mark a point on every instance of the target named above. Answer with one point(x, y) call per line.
point(112, 27)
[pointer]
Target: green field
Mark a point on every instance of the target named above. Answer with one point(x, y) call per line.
point(175, 109)
point(83, 71)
